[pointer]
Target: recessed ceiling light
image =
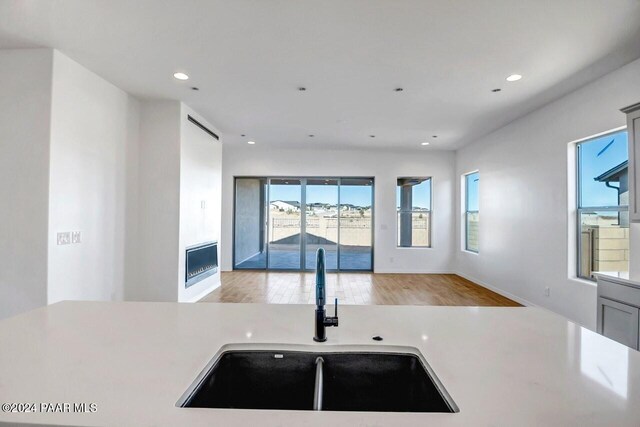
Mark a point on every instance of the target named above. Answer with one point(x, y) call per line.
point(243, 135)
point(372, 136)
point(514, 77)
point(251, 142)
point(302, 88)
point(496, 90)
point(434, 136)
point(399, 89)
point(424, 143)
point(195, 88)
point(311, 136)
point(181, 76)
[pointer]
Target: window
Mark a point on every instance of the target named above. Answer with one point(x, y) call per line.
point(471, 211)
point(603, 205)
point(413, 201)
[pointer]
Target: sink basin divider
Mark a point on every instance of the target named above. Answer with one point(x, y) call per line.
point(318, 389)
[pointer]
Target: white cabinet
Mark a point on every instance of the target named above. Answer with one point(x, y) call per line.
point(633, 128)
point(619, 310)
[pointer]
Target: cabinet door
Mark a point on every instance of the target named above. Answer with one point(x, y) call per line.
point(633, 129)
point(619, 322)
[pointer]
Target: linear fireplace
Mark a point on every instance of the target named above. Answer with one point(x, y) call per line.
point(201, 262)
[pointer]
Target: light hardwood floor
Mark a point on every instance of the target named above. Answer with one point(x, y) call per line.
point(355, 288)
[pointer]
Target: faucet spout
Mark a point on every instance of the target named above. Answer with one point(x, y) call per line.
point(321, 276)
point(322, 320)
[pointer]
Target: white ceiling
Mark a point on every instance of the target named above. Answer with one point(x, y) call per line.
point(249, 57)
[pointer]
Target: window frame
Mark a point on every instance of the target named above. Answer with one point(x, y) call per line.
point(467, 211)
point(580, 210)
point(430, 213)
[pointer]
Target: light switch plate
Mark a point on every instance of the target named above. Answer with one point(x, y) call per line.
point(76, 237)
point(64, 238)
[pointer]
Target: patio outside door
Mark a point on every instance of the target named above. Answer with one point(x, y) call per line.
point(279, 223)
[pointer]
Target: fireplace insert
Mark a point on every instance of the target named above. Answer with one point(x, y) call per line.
point(201, 262)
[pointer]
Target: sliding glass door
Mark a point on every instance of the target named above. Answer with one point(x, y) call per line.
point(279, 223)
point(321, 222)
point(356, 219)
point(285, 224)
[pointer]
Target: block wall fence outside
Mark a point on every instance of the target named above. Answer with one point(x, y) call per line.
point(611, 248)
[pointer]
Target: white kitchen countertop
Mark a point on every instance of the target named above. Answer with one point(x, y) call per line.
point(502, 366)
point(621, 277)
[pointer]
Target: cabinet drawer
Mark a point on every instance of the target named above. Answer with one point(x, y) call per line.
point(618, 292)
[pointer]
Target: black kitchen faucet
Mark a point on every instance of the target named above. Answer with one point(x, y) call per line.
point(322, 320)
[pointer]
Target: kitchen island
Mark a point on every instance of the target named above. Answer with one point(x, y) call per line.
point(128, 364)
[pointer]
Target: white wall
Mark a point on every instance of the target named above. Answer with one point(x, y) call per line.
point(25, 105)
point(158, 204)
point(386, 167)
point(94, 128)
point(527, 233)
point(79, 154)
point(179, 168)
point(200, 183)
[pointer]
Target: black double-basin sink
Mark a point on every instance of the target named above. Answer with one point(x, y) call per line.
point(352, 380)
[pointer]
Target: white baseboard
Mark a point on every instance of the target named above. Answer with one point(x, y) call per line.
point(377, 271)
point(497, 290)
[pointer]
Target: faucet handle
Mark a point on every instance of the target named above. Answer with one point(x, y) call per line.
point(332, 321)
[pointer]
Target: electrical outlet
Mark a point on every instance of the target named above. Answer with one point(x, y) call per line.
point(391, 259)
point(203, 204)
point(64, 238)
point(76, 237)
point(547, 291)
